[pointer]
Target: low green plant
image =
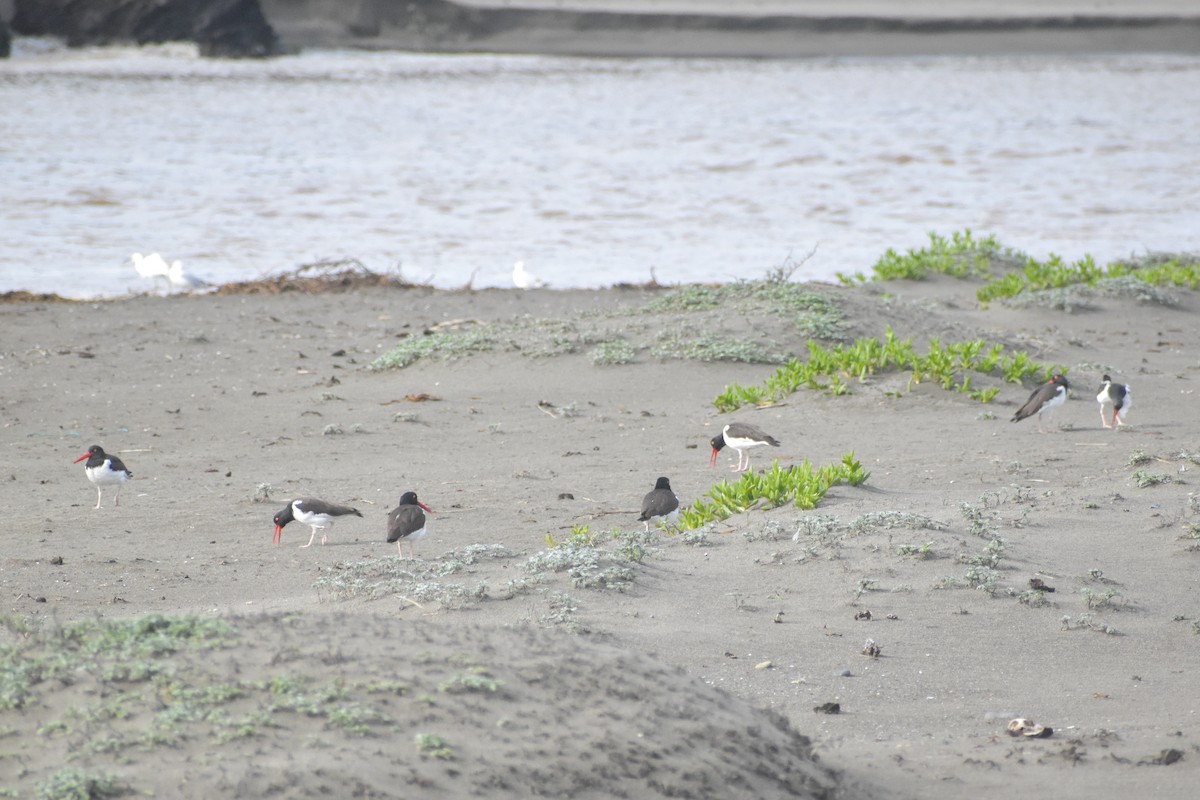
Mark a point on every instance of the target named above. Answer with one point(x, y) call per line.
point(964, 256)
point(950, 366)
point(980, 521)
point(961, 256)
point(672, 344)
point(1146, 479)
point(610, 353)
point(431, 744)
point(801, 484)
point(917, 550)
point(893, 519)
point(476, 680)
point(434, 345)
point(1109, 598)
point(1054, 273)
point(580, 536)
point(983, 578)
point(72, 783)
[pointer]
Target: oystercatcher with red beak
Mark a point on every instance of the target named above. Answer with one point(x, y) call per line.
point(660, 504)
point(313, 513)
point(1117, 395)
point(104, 470)
point(741, 437)
point(1046, 399)
point(406, 523)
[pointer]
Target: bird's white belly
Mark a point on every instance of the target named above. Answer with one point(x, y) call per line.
point(103, 475)
point(311, 518)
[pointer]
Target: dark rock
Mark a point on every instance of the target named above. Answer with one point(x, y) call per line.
point(227, 28)
point(5, 40)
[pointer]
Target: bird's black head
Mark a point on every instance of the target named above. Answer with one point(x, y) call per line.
point(410, 499)
point(95, 456)
point(717, 442)
point(1061, 380)
point(662, 483)
point(1106, 379)
point(284, 517)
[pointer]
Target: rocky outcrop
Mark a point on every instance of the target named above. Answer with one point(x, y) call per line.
point(229, 28)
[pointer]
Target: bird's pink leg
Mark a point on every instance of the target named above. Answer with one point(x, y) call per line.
point(310, 538)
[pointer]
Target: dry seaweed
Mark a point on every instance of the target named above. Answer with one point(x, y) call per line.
point(341, 275)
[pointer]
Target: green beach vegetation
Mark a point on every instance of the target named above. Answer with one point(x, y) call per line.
point(1007, 272)
point(950, 366)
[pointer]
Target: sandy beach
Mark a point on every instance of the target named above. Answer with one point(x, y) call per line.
point(673, 664)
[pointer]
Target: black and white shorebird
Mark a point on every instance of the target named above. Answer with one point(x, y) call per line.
point(1117, 395)
point(1046, 399)
point(660, 504)
point(406, 523)
point(313, 513)
point(741, 437)
point(104, 470)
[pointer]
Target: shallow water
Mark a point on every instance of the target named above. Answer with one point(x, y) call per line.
point(591, 171)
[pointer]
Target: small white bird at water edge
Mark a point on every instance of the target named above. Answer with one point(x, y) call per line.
point(152, 266)
point(523, 280)
point(184, 280)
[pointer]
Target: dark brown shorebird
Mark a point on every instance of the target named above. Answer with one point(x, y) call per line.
point(406, 523)
point(660, 504)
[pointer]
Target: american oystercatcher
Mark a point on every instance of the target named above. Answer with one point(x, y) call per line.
point(313, 513)
point(104, 470)
point(1117, 395)
point(1045, 400)
point(740, 437)
point(406, 523)
point(661, 503)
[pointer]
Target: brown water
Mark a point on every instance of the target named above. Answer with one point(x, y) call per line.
point(590, 171)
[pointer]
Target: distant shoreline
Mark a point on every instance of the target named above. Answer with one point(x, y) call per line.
point(668, 29)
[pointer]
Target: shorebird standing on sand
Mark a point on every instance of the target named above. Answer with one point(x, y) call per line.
point(523, 280)
point(1117, 395)
point(104, 470)
point(660, 504)
point(184, 280)
point(313, 513)
point(406, 523)
point(741, 437)
point(1046, 399)
point(152, 266)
